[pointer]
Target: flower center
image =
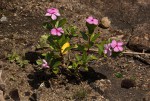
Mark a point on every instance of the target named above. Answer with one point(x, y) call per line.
point(57, 31)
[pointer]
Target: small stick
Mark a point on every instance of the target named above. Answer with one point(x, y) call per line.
point(127, 52)
point(136, 53)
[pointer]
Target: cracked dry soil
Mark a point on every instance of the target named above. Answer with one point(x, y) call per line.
point(24, 27)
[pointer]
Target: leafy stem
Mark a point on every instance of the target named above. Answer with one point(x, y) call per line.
point(88, 44)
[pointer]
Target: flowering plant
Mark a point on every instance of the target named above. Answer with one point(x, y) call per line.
point(114, 46)
point(72, 57)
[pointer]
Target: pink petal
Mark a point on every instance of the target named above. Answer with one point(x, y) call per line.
point(116, 49)
point(58, 14)
point(120, 48)
point(105, 46)
point(54, 17)
point(105, 51)
point(59, 34)
point(43, 65)
point(90, 18)
point(45, 61)
point(48, 14)
point(89, 21)
point(120, 43)
point(55, 10)
point(109, 53)
point(109, 45)
point(54, 31)
point(113, 44)
point(60, 30)
point(47, 66)
point(95, 22)
point(52, 10)
point(49, 10)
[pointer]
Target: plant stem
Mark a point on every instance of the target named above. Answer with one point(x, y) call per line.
point(88, 44)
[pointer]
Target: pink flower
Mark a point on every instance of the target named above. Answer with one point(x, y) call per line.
point(45, 64)
point(53, 12)
point(92, 20)
point(57, 31)
point(117, 46)
point(107, 49)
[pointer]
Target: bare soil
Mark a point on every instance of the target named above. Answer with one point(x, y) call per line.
point(24, 27)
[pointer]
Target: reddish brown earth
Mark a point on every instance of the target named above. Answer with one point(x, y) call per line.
point(24, 27)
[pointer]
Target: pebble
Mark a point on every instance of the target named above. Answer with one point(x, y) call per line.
point(101, 85)
point(3, 19)
point(105, 22)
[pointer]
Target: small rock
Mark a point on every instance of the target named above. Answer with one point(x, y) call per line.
point(140, 41)
point(1, 96)
point(128, 83)
point(3, 18)
point(14, 94)
point(101, 85)
point(105, 22)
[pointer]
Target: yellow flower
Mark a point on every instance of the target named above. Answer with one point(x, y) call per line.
point(66, 45)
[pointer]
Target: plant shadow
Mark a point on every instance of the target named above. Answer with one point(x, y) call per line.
point(37, 78)
point(33, 56)
point(40, 76)
point(89, 76)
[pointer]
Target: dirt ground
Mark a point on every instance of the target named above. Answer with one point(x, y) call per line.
point(21, 33)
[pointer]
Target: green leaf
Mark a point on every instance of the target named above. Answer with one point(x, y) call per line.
point(91, 44)
point(25, 62)
point(57, 24)
point(43, 41)
point(44, 37)
point(101, 47)
point(39, 62)
point(77, 57)
point(63, 40)
point(55, 70)
point(73, 30)
point(118, 75)
point(44, 54)
point(13, 57)
point(94, 37)
point(70, 67)
point(52, 43)
point(49, 56)
point(86, 68)
point(12, 60)
point(84, 36)
point(109, 40)
point(81, 48)
point(53, 22)
point(62, 22)
point(84, 56)
point(75, 65)
point(47, 25)
point(17, 58)
point(92, 57)
point(56, 64)
point(74, 35)
point(91, 27)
